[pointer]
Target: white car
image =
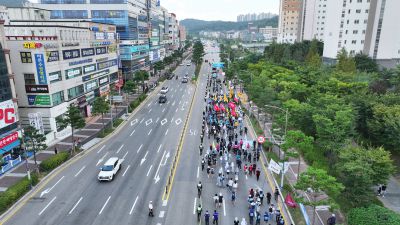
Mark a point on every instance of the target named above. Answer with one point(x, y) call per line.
point(188, 64)
point(181, 64)
point(110, 169)
point(164, 90)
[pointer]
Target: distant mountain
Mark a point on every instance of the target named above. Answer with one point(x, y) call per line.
point(195, 26)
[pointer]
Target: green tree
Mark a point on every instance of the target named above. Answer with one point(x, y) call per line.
point(141, 76)
point(129, 86)
point(100, 107)
point(373, 215)
point(35, 141)
point(365, 63)
point(73, 118)
point(198, 52)
point(158, 66)
point(297, 143)
point(359, 169)
point(313, 59)
point(345, 62)
point(319, 182)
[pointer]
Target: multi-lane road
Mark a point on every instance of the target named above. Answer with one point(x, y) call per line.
point(148, 143)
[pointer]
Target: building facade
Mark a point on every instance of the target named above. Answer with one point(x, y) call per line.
point(59, 63)
point(182, 35)
point(290, 21)
point(173, 32)
point(9, 129)
point(363, 26)
point(270, 33)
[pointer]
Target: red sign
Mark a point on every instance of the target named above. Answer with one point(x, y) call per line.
point(290, 202)
point(8, 139)
point(7, 113)
point(261, 139)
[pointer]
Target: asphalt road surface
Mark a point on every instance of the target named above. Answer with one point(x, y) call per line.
point(147, 144)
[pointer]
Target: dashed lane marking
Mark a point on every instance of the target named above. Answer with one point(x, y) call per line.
point(73, 208)
point(140, 147)
point(132, 133)
point(133, 206)
point(40, 213)
point(127, 168)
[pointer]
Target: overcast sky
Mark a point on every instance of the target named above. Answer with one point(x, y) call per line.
point(218, 9)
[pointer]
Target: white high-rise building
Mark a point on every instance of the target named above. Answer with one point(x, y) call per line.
point(314, 19)
point(366, 26)
point(290, 21)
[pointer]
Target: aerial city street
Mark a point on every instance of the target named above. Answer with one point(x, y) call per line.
point(149, 112)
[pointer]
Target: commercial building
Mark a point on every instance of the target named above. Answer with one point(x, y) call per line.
point(173, 32)
point(270, 33)
point(365, 26)
point(59, 63)
point(290, 21)
point(131, 18)
point(9, 141)
point(182, 35)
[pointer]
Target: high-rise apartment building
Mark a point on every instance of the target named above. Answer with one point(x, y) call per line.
point(173, 31)
point(290, 21)
point(313, 19)
point(254, 17)
point(363, 26)
point(182, 35)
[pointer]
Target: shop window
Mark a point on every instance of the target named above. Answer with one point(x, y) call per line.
point(29, 78)
point(26, 57)
point(75, 92)
point(58, 98)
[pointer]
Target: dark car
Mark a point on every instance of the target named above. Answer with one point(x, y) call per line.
point(185, 79)
point(170, 76)
point(162, 99)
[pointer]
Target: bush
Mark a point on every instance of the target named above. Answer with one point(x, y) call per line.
point(54, 161)
point(117, 122)
point(373, 215)
point(105, 132)
point(142, 97)
point(13, 193)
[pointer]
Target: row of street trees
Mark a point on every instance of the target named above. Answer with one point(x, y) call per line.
point(342, 118)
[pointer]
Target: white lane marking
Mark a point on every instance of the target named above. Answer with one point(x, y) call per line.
point(158, 118)
point(127, 168)
point(80, 171)
point(108, 199)
point(194, 206)
point(73, 208)
point(150, 132)
point(148, 172)
point(180, 102)
point(175, 90)
point(163, 110)
point(178, 121)
point(125, 154)
point(148, 105)
point(198, 171)
point(48, 190)
point(141, 120)
point(150, 110)
point(120, 148)
point(165, 202)
point(101, 149)
point(223, 204)
point(149, 121)
point(176, 110)
point(132, 133)
point(172, 96)
point(144, 158)
point(101, 159)
point(163, 121)
point(172, 119)
point(40, 213)
point(133, 206)
point(161, 214)
point(133, 122)
point(166, 132)
point(140, 147)
point(157, 176)
point(173, 103)
point(159, 148)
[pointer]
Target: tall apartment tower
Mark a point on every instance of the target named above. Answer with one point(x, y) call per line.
point(366, 26)
point(314, 19)
point(290, 21)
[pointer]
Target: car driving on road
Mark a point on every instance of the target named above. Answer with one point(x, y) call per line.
point(164, 90)
point(185, 79)
point(110, 169)
point(162, 99)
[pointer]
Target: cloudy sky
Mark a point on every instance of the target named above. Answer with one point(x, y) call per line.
point(218, 9)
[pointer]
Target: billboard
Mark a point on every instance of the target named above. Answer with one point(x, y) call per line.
point(40, 69)
point(39, 100)
point(7, 113)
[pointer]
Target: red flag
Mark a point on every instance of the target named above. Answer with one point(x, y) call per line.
point(231, 105)
point(233, 113)
point(290, 202)
point(216, 108)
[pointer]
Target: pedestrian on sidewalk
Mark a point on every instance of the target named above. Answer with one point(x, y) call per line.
point(383, 192)
point(243, 222)
point(276, 194)
point(258, 218)
point(233, 197)
point(258, 173)
point(55, 150)
point(332, 220)
point(207, 217)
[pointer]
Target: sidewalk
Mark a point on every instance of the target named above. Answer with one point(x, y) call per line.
point(294, 169)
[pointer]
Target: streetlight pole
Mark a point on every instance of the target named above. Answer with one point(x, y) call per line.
point(286, 123)
point(28, 172)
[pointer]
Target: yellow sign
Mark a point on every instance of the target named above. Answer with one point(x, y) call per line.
point(31, 44)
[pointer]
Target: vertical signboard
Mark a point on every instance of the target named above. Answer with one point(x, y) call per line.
point(35, 120)
point(40, 69)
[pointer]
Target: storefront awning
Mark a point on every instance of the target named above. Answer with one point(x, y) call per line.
point(9, 147)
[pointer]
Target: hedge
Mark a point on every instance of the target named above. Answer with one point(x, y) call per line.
point(16, 191)
point(373, 215)
point(54, 161)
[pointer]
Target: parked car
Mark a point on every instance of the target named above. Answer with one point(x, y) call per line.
point(188, 64)
point(185, 79)
point(181, 64)
point(162, 99)
point(170, 76)
point(110, 169)
point(164, 90)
